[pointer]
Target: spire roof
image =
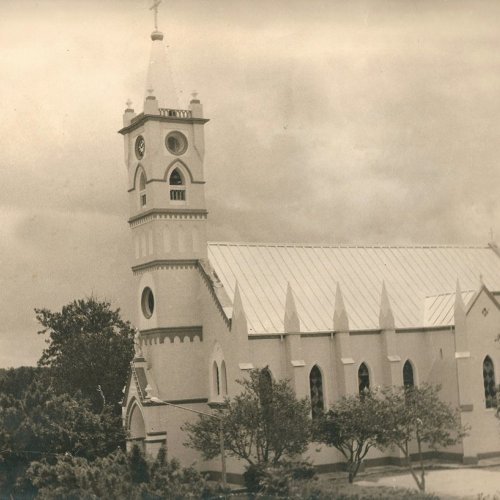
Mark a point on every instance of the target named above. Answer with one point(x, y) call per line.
point(291, 321)
point(340, 318)
point(159, 81)
point(386, 318)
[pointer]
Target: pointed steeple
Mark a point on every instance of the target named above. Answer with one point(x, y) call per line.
point(159, 82)
point(340, 318)
point(239, 319)
point(386, 318)
point(291, 321)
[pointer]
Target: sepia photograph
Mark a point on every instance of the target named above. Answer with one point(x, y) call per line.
point(250, 249)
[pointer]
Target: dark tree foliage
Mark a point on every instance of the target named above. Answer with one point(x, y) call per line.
point(261, 425)
point(39, 422)
point(112, 478)
point(90, 349)
point(139, 472)
point(69, 403)
point(15, 381)
point(353, 425)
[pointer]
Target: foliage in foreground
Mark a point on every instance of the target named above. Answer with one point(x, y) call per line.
point(69, 404)
point(261, 425)
point(298, 480)
point(417, 415)
point(353, 425)
point(116, 476)
point(37, 422)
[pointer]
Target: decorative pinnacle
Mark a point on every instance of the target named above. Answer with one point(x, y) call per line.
point(194, 94)
point(151, 90)
point(129, 104)
point(291, 321)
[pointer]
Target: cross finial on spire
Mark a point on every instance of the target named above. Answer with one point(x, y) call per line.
point(155, 8)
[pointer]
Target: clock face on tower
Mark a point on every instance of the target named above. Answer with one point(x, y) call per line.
point(140, 147)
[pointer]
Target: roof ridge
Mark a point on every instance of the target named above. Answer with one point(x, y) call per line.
point(470, 290)
point(341, 245)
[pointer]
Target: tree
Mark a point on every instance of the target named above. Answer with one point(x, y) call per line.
point(37, 422)
point(112, 477)
point(261, 425)
point(139, 471)
point(353, 425)
point(416, 414)
point(90, 350)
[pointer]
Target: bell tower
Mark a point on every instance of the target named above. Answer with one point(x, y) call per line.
point(164, 151)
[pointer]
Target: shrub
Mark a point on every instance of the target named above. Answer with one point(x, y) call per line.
point(115, 477)
point(281, 479)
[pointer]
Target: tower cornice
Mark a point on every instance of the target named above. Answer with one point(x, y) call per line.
point(167, 213)
point(140, 119)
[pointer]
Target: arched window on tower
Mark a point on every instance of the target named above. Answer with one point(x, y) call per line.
point(408, 379)
point(216, 379)
point(316, 388)
point(363, 378)
point(142, 190)
point(177, 186)
point(490, 393)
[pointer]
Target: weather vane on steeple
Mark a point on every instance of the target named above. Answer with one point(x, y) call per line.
point(155, 8)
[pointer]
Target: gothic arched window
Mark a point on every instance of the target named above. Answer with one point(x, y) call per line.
point(316, 388)
point(216, 379)
point(490, 392)
point(265, 388)
point(142, 189)
point(136, 427)
point(177, 193)
point(363, 378)
point(408, 379)
point(223, 378)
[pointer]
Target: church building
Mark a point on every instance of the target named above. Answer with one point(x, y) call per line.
point(332, 319)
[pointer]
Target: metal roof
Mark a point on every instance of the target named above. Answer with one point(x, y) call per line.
point(439, 309)
point(416, 278)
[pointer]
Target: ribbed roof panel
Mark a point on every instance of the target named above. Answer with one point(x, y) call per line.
point(420, 281)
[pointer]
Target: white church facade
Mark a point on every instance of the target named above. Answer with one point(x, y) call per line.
point(331, 319)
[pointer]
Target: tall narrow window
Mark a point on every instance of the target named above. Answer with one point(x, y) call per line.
point(408, 380)
point(363, 378)
point(142, 190)
point(490, 393)
point(223, 373)
point(216, 379)
point(265, 386)
point(177, 188)
point(316, 387)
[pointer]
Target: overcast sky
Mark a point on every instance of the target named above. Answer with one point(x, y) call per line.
point(331, 122)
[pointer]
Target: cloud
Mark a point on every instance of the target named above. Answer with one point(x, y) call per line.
point(331, 122)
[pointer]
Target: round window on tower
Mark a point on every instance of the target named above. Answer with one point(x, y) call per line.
point(147, 302)
point(140, 147)
point(176, 143)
